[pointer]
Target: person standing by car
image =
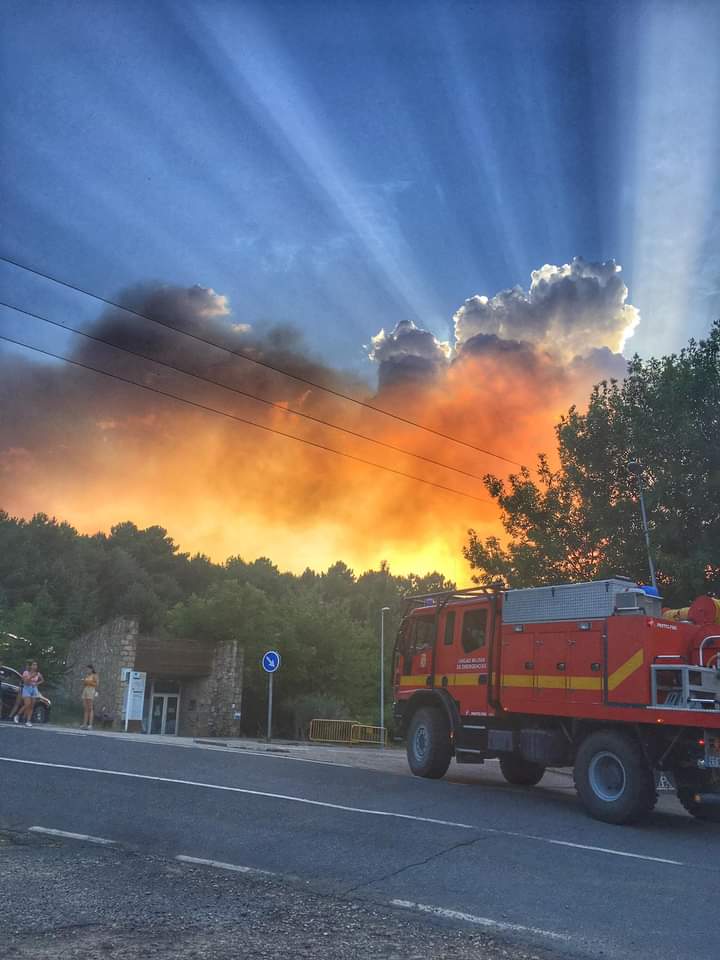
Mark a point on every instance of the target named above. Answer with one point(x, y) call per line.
point(17, 706)
point(32, 679)
point(89, 692)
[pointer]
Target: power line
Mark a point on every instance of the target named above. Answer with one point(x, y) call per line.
point(249, 423)
point(242, 393)
point(255, 360)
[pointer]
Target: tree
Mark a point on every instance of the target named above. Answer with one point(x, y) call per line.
point(582, 520)
point(55, 584)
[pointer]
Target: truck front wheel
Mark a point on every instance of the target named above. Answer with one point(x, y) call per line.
point(428, 743)
point(520, 772)
point(613, 779)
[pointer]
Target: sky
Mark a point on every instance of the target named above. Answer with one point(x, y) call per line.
point(339, 168)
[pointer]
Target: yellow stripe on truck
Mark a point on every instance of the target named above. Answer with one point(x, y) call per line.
point(518, 680)
point(551, 681)
point(542, 681)
point(466, 679)
point(629, 667)
point(557, 681)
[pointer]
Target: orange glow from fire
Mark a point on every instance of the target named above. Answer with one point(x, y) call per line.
point(108, 452)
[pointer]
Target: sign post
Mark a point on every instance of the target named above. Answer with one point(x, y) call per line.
point(135, 699)
point(270, 663)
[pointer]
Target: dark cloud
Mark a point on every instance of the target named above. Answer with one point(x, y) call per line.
point(490, 345)
point(200, 311)
point(197, 310)
point(600, 364)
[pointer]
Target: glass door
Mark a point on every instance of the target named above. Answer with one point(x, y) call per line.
point(164, 707)
point(157, 711)
point(171, 712)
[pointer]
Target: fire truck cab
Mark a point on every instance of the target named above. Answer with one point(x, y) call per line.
point(591, 676)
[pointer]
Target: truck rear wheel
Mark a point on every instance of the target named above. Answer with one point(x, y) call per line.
point(613, 779)
point(699, 782)
point(428, 743)
point(520, 772)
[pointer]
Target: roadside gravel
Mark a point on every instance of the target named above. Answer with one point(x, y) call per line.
point(64, 900)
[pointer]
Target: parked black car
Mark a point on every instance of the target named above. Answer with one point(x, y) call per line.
point(10, 683)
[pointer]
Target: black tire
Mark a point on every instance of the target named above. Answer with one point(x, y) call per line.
point(40, 714)
point(614, 781)
point(520, 772)
point(428, 743)
point(699, 782)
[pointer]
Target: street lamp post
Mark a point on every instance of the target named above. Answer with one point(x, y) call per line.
point(382, 670)
point(637, 471)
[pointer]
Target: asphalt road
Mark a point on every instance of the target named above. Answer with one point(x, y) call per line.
point(524, 865)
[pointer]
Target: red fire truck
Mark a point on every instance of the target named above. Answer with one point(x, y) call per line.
point(593, 676)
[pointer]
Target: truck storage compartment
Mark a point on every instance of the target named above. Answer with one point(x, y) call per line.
point(568, 601)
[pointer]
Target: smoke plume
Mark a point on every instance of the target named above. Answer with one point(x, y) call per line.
point(96, 451)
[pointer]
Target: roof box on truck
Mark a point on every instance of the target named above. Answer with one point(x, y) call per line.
point(567, 601)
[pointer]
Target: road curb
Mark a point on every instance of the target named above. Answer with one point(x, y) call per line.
point(239, 746)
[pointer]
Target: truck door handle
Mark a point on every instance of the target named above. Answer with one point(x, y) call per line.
point(529, 665)
point(561, 665)
point(428, 680)
point(444, 682)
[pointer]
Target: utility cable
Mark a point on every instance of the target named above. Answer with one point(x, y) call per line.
point(237, 390)
point(255, 360)
point(232, 416)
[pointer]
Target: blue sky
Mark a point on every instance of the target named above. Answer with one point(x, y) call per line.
point(343, 166)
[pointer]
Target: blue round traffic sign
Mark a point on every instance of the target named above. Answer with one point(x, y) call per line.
point(271, 661)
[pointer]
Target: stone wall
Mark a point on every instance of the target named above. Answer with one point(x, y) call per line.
point(226, 682)
point(110, 648)
point(195, 708)
point(209, 703)
point(208, 700)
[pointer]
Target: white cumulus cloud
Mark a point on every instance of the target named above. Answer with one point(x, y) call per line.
point(568, 311)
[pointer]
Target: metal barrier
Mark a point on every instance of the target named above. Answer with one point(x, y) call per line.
point(364, 733)
point(346, 731)
point(331, 731)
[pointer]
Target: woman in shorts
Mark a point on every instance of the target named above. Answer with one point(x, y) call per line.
point(32, 678)
point(89, 692)
point(19, 703)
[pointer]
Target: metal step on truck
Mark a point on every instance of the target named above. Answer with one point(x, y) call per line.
point(593, 676)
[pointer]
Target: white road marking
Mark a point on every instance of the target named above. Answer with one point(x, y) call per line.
point(617, 853)
point(246, 791)
point(272, 755)
point(171, 742)
point(479, 921)
point(343, 807)
point(71, 836)
point(235, 867)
